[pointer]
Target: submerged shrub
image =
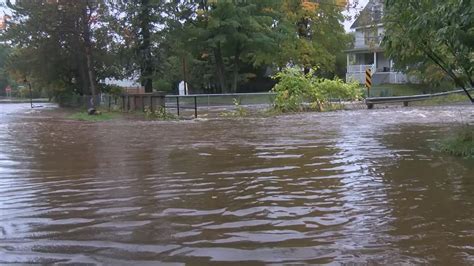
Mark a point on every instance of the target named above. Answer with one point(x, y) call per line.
point(297, 91)
point(160, 114)
point(239, 111)
point(461, 143)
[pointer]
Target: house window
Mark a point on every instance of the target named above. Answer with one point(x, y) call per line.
point(371, 37)
point(369, 59)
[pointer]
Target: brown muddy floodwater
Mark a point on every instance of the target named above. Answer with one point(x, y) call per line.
point(354, 186)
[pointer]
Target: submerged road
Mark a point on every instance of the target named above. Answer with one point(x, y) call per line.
point(353, 186)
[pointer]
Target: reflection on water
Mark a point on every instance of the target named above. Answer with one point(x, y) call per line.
point(360, 186)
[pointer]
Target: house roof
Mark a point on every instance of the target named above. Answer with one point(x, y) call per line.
point(370, 15)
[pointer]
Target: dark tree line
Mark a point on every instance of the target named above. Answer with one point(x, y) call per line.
point(71, 47)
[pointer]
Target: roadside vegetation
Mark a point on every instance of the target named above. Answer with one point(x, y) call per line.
point(159, 114)
point(105, 115)
point(239, 110)
point(298, 91)
point(444, 100)
point(433, 38)
point(461, 143)
point(69, 48)
point(387, 90)
point(102, 116)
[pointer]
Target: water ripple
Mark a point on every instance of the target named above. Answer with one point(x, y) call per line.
point(306, 188)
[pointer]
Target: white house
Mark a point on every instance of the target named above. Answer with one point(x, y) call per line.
point(128, 85)
point(367, 52)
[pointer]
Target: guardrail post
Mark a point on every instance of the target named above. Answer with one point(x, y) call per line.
point(195, 107)
point(405, 103)
point(177, 105)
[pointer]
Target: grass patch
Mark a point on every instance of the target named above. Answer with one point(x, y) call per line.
point(452, 98)
point(461, 143)
point(84, 116)
point(388, 90)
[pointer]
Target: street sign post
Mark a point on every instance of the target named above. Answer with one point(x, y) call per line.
point(368, 80)
point(8, 91)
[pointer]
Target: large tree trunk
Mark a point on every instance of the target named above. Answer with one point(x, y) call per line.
point(88, 53)
point(83, 79)
point(81, 74)
point(447, 69)
point(467, 92)
point(471, 82)
point(185, 78)
point(145, 49)
point(304, 32)
point(235, 79)
point(220, 67)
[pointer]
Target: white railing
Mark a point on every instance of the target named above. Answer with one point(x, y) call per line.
point(398, 78)
point(359, 68)
point(356, 77)
point(381, 77)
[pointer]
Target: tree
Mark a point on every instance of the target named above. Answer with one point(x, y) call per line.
point(139, 25)
point(211, 44)
point(60, 44)
point(314, 34)
point(440, 32)
point(235, 37)
point(5, 79)
point(233, 34)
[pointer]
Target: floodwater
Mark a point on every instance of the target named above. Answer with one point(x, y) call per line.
point(332, 188)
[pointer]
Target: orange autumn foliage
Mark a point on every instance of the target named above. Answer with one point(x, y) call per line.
point(309, 6)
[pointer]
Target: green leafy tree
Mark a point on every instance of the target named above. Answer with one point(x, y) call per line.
point(296, 88)
point(5, 78)
point(313, 34)
point(62, 45)
point(439, 32)
point(232, 34)
point(140, 26)
point(70, 46)
point(234, 41)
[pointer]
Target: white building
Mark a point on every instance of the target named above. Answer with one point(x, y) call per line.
point(367, 53)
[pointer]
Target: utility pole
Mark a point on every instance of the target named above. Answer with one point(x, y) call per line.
point(185, 79)
point(31, 92)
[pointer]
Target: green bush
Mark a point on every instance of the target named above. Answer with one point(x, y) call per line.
point(84, 116)
point(162, 85)
point(111, 89)
point(297, 91)
point(461, 143)
point(239, 111)
point(24, 92)
point(159, 114)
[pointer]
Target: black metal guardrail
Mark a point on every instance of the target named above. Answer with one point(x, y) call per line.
point(178, 106)
point(370, 102)
point(196, 101)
